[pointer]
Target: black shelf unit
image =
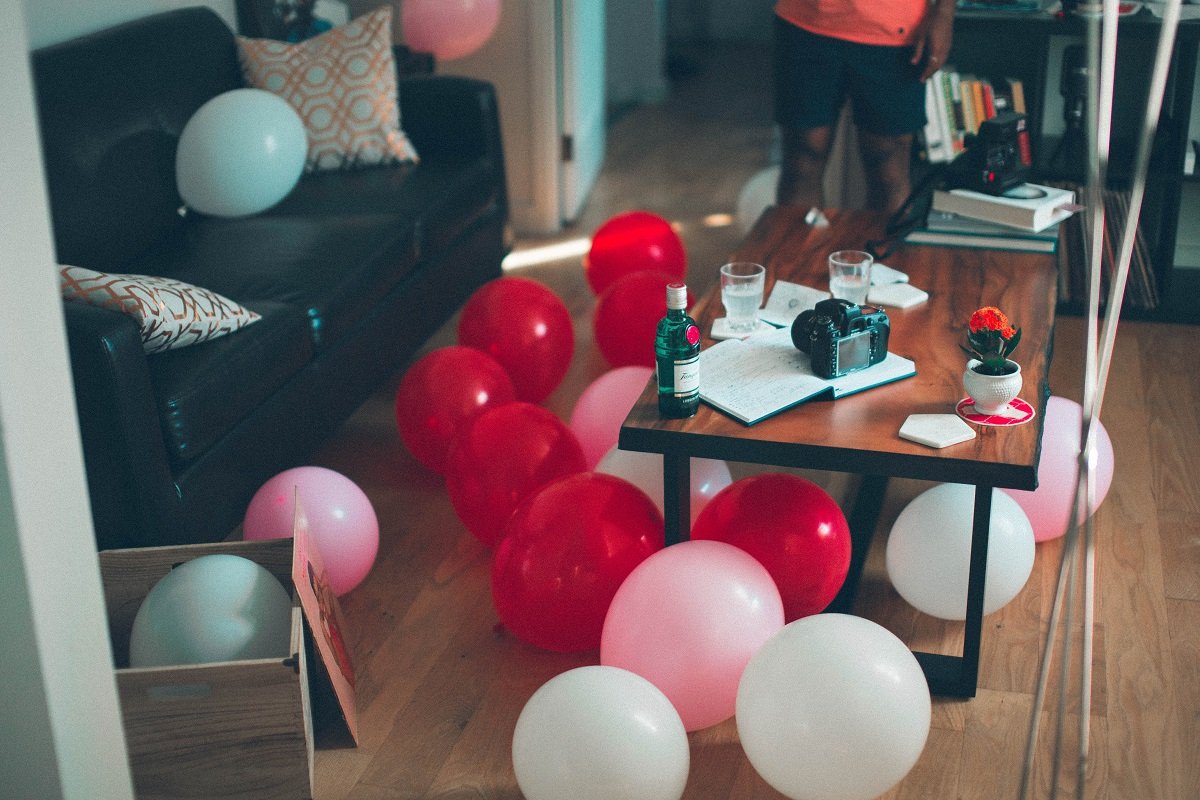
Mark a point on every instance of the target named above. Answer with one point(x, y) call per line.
point(1004, 44)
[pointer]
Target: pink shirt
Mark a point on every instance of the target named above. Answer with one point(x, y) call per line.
point(886, 22)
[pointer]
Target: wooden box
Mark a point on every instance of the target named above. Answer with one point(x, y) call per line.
point(234, 729)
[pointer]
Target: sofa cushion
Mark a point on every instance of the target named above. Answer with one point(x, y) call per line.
point(443, 198)
point(203, 391)
point(335, 270)
point(343, 85)
point(170, 314)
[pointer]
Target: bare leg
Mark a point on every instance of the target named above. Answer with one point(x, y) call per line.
point(805, 154)
point(886, 161)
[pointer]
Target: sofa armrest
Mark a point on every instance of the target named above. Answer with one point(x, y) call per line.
point(451, 117)
point(122, 437)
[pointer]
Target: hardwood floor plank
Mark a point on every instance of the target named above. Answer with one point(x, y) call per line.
point(1184, 620)
point(992, 749)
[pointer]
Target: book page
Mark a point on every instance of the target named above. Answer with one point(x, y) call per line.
point(754, 378)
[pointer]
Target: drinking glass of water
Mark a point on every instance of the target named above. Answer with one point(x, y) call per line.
point(850, 275)
point(742, 294)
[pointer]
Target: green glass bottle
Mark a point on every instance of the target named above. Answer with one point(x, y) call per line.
point(677, 357)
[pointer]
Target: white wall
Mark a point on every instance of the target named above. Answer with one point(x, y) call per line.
point(58, 705)
point(59, 713)
point(635, 69)
point(50, 21)
point(715, 20)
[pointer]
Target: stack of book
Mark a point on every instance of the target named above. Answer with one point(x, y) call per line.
point(1026, 219)
point(956, 104)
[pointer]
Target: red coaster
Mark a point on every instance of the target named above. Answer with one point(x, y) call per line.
point(1018, 413)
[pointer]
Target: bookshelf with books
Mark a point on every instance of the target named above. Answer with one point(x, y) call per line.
point(1023, 57)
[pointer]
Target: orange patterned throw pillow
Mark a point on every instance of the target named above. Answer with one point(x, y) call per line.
point(343, 84)
point(170, 313)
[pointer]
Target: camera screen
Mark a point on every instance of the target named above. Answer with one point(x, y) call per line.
point(854, 351)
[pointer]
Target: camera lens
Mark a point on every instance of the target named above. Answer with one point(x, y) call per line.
point(802, 327)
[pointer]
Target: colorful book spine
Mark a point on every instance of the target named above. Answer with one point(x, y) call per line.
point(988, 95)
point(977, 104)
point(953, 127)
point(968, 105)
point(960, 124)
point(1017, 89)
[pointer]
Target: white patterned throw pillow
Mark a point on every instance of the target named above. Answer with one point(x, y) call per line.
point(169, 313)
point(343, 85)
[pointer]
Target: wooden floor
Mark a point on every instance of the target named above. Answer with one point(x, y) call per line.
point(440, 684)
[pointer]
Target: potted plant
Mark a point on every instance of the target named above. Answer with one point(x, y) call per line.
point(992, 378)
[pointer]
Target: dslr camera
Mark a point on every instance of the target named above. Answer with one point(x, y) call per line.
point(997, 158)
point(841, 337)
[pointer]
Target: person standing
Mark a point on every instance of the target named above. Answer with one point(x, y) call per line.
point(876, 53)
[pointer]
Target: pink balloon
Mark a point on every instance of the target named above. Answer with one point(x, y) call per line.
point(645, 471)
point(449, 29)
point(341, 520)
point(688, 619)
point(603, 406)
point(1049, 506)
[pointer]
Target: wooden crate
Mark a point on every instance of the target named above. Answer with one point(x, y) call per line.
point(233, 729)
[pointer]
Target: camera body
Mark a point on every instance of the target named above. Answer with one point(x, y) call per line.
point(998, 157)
point(841, 337)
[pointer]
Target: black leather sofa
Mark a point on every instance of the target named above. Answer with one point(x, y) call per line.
point(351, 273)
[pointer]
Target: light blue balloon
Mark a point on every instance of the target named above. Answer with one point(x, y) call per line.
point(241, 153)
point(213, 608)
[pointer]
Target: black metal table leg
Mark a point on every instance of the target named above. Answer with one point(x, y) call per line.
point(863, 520)
point(677, 498)
point(958, 676)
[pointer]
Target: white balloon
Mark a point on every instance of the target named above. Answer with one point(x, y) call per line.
point(645, 471)
point(833, 707)
point(756, 195)
point(217, 607)
point(600, 733)
point(929, 551)
point(240, 153)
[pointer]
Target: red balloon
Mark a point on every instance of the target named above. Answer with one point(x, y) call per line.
point(634, 241)
point(524, 326)
point(440, 393)
point(565, 552)
point(501, 457)
point(793, 527)
point(627, 315)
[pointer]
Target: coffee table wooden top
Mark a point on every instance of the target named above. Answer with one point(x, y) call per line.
point(859, 433)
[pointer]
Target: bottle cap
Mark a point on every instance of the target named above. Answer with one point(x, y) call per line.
point(676, 295)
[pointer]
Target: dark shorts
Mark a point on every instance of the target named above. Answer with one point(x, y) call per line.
point(815, 74)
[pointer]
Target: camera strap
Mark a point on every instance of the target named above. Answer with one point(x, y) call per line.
point(912, 212)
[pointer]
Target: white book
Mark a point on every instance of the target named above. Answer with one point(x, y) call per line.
point(945, 114)
point(933, 130)
point(1029, 206)
point(937, 142)
point(756, 378)
point(981, 241)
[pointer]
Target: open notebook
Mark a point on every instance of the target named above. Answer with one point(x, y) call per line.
point(755, 378)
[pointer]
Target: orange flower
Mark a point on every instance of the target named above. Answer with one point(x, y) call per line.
point(991, 338)
point(990, 318)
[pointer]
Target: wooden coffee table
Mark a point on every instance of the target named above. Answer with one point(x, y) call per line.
point(859, 434)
